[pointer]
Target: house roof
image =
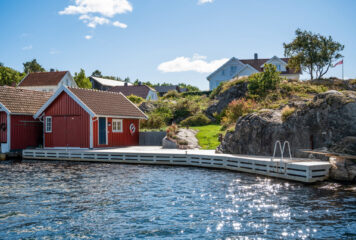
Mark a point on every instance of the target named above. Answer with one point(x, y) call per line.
point(164, 89)
point(17, 100)
point(109, 82)
point(42, 79)
point(138, 90)
point(104, 103)
point(257, 63)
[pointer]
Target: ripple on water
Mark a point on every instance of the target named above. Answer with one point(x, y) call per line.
point(78, 200)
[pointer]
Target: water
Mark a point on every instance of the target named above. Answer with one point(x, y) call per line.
point(113, 201)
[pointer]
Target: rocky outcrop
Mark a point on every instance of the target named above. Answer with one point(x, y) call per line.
point(223, 99)
point(324, 121)
point(184, 138)
point(147, 107)
point(342, 169)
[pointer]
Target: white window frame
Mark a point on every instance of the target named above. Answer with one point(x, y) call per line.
point(48, 128)
point(117, 121)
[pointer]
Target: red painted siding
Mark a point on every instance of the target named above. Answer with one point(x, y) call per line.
point(117, 139)
point(25, 132)
point(3, 133)
point(70, 124)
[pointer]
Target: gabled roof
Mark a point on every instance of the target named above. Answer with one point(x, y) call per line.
point(164, 89)
point(138, 90)
point(109, 82)
point(21, 101)
point(222, 66)
point(99, 103)
point(258, 63)
point(42, 79)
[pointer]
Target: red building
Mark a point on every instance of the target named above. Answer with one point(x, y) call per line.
point(18, 129)
point(86, 118)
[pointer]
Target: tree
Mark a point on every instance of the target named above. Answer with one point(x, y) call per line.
point(97, 73)
point(81, 80)
point(127, 79)
point(260, 83)
point(32, 66)
point(312, 53)
point(9, 76)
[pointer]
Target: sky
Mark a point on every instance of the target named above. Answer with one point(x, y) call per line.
point(169, 41)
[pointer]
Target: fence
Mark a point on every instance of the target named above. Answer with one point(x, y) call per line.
point(151, 138)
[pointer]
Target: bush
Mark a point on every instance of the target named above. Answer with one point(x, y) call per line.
point(171, 94)
point(185, 108)
point(196, 120)
point(154, 121)
point(260, 83)
point(236, 109)
point(286, 112)
point(135, 99)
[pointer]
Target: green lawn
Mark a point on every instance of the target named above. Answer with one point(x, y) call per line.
point(208, 136)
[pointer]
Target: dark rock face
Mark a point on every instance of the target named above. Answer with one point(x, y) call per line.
point(147, 107)
point(223, 99)
point(346, 146)
point(326, 120)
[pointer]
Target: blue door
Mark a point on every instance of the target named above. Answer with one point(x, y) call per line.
point(102, 130)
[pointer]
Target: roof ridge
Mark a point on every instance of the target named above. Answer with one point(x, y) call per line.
point(93, 90)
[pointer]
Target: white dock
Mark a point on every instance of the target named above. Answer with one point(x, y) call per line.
point(302, 170)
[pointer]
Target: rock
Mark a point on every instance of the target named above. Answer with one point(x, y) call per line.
point(147, 107)
point(189, 136)
point(342, 169)
point(346, 146)
point(183, 135)
point(223, 99)
point(326, 120)
point(167, 143)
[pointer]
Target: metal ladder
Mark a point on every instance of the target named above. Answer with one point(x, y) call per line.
point(278, 143)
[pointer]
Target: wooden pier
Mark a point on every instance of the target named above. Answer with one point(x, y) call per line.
point(302, 170)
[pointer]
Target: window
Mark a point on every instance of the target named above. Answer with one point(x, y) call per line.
point(116, 125)
point(48, 124)
point(223, 72)
point(278, 67)
point(233, 69)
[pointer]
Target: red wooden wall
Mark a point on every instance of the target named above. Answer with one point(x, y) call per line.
point(70, 124)
point(3, 134)
point(117, 139)
point(25, 132)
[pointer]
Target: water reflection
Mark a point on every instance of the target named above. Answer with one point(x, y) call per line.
point(78, 200)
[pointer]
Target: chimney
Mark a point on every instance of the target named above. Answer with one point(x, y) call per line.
point(256, 56)
point(139, 83)
point(51, 70)
point(125, 84)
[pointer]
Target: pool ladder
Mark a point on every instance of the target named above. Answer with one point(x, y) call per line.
point(278, 143)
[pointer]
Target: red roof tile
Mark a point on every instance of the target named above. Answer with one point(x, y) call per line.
point(42, 79)
point(24, 101)
point(104, 103)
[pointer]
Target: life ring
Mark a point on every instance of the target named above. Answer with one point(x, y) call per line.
point(3, 127)
point(132, 129)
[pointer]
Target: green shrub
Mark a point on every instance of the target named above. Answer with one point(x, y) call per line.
point(216, 90)
point(154, 121)
point(236, 109)
point(135, 99)
point(286, 112)
point(260, 83)
point(196, 120)
point(185, 108)
point(171, 94)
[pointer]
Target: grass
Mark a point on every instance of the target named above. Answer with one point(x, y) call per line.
point(208, 136)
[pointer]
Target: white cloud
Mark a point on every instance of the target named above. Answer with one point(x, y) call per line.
point(204, 1)
point(108, 8)
point(98, 12)
point(196, 63)
point(119, 24)
point(88, 37)
point(29, 47)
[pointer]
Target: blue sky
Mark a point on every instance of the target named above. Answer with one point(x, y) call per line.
point(136, 37)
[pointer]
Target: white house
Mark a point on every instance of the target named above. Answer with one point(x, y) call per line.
point(47, 81)
point(245, 67)
point(105, 84)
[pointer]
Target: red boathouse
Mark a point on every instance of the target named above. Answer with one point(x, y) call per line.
point(18, 129)
point(86, 118)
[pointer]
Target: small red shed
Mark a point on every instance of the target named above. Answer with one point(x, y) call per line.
point(87, 118)
point(18, 129)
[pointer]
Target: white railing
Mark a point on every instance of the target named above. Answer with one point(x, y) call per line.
point(262, 166)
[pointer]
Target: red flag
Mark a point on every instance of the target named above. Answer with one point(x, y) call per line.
point(340, 62)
